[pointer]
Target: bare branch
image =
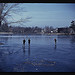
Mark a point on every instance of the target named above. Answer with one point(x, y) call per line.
point(7, 10)
point(20, 21)
point(12, 6)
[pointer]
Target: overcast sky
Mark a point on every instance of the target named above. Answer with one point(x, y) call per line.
point(49, 14)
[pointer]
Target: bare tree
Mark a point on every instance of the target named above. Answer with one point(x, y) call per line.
point(72, 25)
point(6, 11)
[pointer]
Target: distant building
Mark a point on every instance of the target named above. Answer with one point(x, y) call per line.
point(51, 31)
point(55, 30)
point(62, 30)
point(71, 31)
point(66, 30)
point(42, 31)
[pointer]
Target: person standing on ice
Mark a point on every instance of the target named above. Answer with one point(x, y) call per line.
point(55, 41)
point(24, 41)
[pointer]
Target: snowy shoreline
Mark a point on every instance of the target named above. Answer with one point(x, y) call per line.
point(6, 33)
point(41, 34)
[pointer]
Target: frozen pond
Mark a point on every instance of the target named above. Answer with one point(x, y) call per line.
point(41, 56)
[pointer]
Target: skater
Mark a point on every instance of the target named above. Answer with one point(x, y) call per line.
point(55, 41)
point(24, 41)
point(29, 41)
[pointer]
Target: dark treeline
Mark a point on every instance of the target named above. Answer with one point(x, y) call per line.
point(25, 30)
point(30, 30)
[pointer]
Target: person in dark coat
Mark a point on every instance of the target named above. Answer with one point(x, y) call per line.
point(29, 41)
point(55, 41)
point(24, 41)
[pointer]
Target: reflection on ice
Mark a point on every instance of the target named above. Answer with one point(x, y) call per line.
point(23, 49)
point(55, 47)
point(29, 49)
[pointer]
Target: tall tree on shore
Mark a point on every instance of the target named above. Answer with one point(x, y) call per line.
point(72, 25)
point(6, 10)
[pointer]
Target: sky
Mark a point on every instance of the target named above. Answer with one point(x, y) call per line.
point(48, 14)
